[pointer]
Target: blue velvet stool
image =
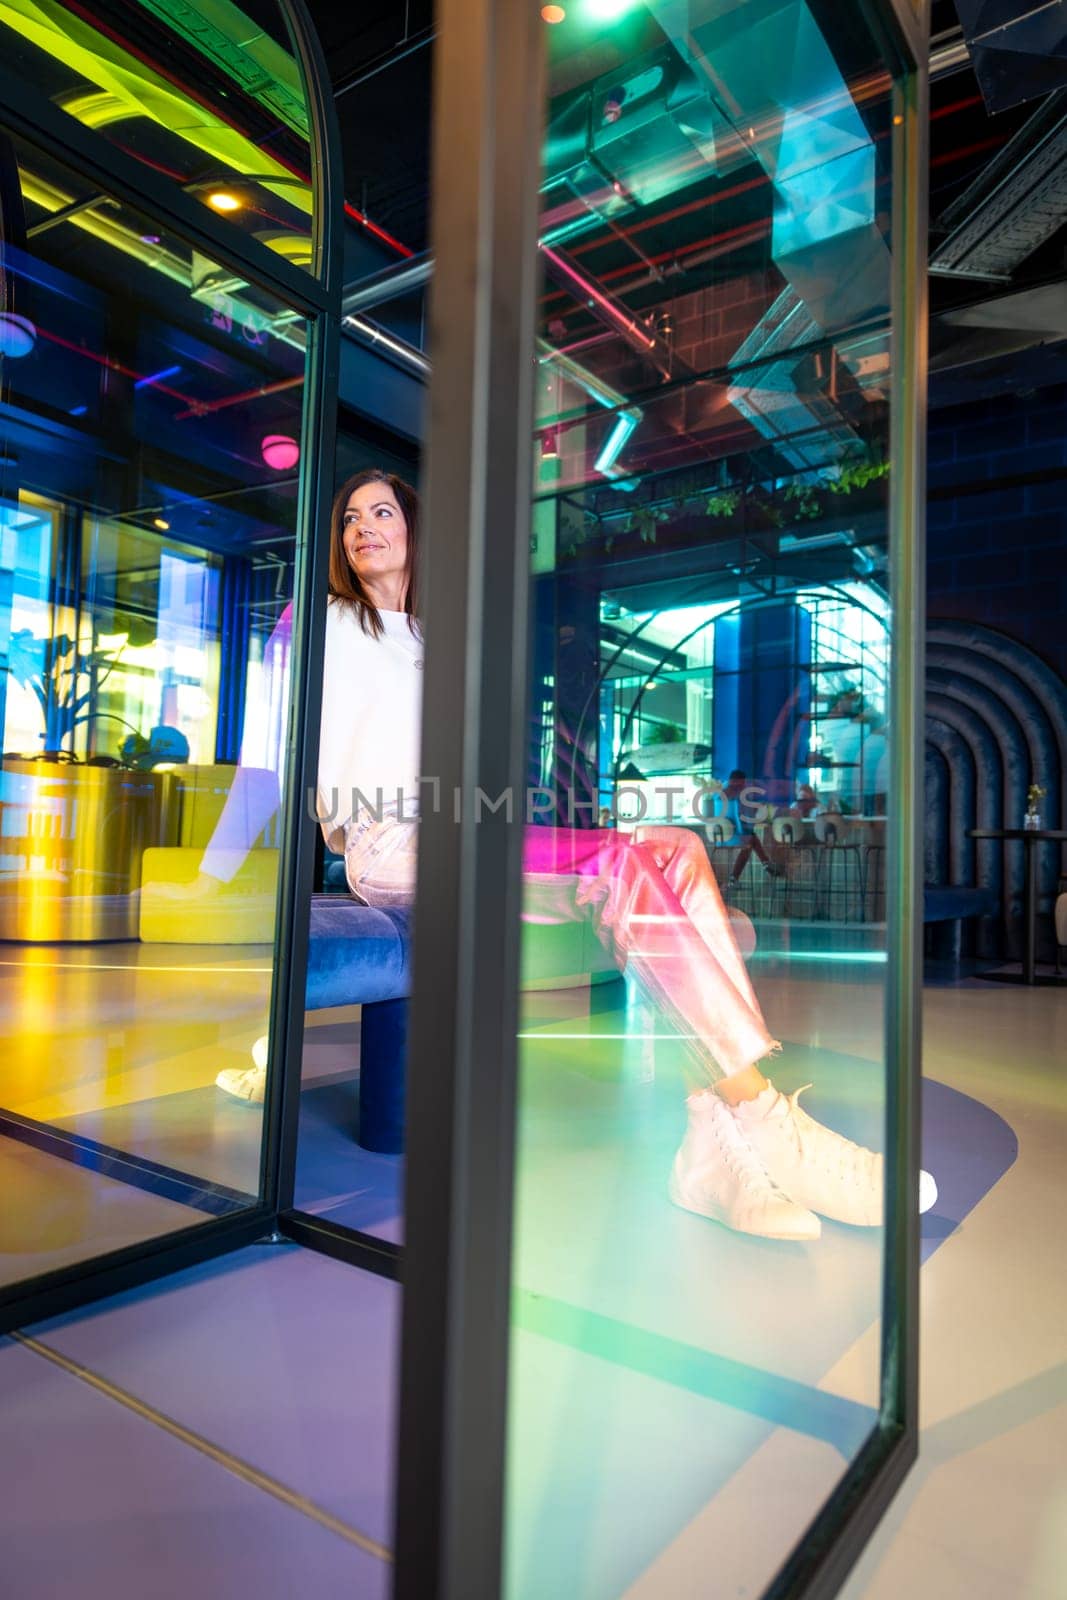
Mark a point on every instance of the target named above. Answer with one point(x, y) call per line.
point(361, 956)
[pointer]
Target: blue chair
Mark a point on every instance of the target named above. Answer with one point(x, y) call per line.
point(358, 955)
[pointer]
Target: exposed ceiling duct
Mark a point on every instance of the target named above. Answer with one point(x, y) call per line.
point(630, 138)
point(1018, 48)
point(786, 399)
point(1019, 201)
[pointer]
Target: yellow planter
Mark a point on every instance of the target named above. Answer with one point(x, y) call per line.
point(71, 842)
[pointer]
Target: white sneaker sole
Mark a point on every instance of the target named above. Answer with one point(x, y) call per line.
point(717, 1213)
point(240, 1083)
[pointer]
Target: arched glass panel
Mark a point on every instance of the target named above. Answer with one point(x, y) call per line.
point(150, 445)
point(209, 96)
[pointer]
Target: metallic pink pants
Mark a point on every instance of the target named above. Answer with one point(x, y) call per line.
point(655, 906)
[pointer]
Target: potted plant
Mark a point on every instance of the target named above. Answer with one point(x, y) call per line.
point(1034, 796)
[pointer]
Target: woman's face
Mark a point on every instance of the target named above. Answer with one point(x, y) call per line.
point(375, 533)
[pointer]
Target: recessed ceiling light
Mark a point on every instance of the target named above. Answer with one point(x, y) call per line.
point(552, 13)
point(223, 200)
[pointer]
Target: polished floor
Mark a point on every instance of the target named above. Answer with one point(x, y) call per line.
point(983, 1515)
point(241, 1447)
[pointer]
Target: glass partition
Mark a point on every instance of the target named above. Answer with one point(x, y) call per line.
point(699, 1245)
point(150, 441)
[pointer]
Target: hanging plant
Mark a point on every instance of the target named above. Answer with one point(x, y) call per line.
point(760, 505)
point(723, 504)
point(645, 522)
point(804, 500)
point(853, 475)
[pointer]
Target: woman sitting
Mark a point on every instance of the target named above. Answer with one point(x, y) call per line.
point(751, 1157)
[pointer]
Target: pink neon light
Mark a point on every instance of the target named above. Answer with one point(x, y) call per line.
point(592, 296)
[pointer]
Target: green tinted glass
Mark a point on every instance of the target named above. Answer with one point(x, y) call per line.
point(698, 1263)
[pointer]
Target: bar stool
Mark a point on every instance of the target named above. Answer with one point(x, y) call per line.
point(840, 891)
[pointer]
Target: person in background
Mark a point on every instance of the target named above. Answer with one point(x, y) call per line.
point(751, 1157)
point(806, 804)
point(746, 842)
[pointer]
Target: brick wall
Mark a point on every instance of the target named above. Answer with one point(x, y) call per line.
point(711, 323)
point(708, 326)
point(999, 555)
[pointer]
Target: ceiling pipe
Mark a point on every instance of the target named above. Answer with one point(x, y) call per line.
point(594, 387)
point(590, 342)
point(608, 310)
point(392, 282)
point(948, 53)
point(398, 52)
point(373, 334)
point(388, 284)
point(379, 338)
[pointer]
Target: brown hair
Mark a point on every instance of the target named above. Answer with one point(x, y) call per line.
point(345, 585)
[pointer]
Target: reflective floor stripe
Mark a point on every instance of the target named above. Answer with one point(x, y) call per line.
point(223, 1458)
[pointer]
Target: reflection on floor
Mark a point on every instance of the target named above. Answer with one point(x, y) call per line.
point(90, 1026)
point(738, 1336)
point(54, 1213)
point(109, 1043)
point(118, 1045)
point(667, 1375)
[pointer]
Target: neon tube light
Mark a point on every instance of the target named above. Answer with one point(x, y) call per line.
point(157, 377)
point(625, 423)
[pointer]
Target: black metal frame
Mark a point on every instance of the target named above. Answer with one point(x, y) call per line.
point(462, 1056)
point(316, 295)
point(835, 1539)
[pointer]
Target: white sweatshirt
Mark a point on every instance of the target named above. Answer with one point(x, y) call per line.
point(371, 718)
point(368, 740)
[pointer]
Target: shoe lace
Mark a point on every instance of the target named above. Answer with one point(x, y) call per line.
point(740, 1157)
point(812, 1139)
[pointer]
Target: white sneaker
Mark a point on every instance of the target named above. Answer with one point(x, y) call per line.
point(247, 1083)
point(819, 1168)
point(717, 1174)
